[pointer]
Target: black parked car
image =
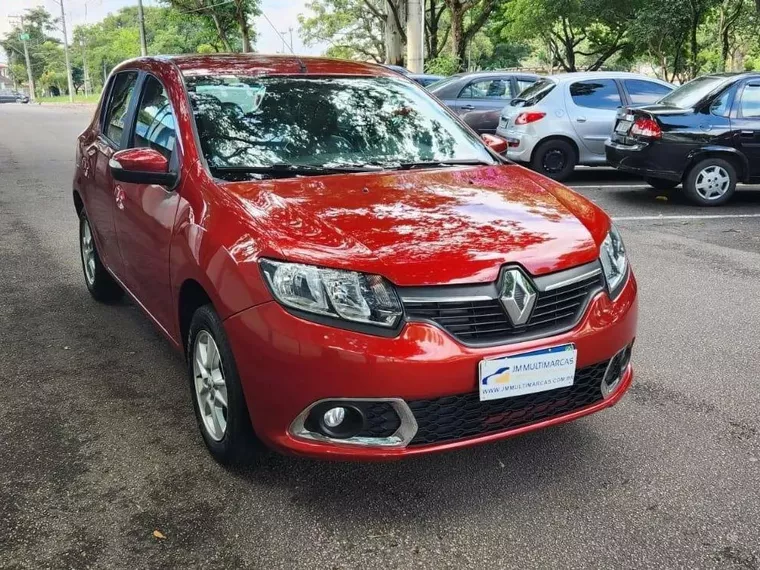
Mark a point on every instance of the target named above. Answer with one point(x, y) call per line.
point(705, 134)
point(7, 96)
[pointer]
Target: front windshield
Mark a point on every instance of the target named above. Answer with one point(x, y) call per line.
point(691, 93)
point(325, 122)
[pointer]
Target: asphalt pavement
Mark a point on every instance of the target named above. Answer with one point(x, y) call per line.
point(101, 464)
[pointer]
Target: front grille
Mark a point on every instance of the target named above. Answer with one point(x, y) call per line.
point(483, 321)
point(462, 416)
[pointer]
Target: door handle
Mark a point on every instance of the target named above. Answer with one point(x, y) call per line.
point(581, 119)
point(748, 134)
point(467, 107)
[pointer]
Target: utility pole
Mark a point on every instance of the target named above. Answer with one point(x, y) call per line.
point(141, 25)
point(24, 38)
point(66, 51)
point(415, 22)
point(83, 43)
point(290, 29)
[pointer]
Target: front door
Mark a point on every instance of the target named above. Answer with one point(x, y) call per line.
point(745, 125)
point(592, 106)
point(101, 186)
point(144, 214)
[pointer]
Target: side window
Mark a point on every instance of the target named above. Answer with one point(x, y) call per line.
point(750, 103)
point(487, 89)
point(596, 93)
point(721, 106)
point(523, 84)
point(154, 127)
point(644, 92)
point(118, 105)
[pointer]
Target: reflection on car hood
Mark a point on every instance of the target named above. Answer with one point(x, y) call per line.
point(445, 226)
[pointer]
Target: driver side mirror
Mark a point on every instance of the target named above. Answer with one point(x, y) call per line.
point(496, 144)
point(142, 166)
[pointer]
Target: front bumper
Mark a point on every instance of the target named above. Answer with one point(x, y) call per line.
point(287, 364)
point(642, 159)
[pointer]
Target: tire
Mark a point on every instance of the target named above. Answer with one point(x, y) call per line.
point(231, 441)
point(555, 159)
point(661, 183)
point(710, 182)
point(101, 285)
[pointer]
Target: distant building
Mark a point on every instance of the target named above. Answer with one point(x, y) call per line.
point(5, 77)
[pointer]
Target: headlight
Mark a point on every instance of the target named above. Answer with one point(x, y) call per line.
point(345, 295)
point(614, 261)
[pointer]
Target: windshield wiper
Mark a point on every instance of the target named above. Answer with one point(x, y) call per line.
point(282, 169)
point(444, 163)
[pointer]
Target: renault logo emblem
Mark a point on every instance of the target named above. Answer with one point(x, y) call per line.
point(518, 296)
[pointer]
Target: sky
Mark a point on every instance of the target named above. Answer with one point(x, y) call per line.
point(282, 13)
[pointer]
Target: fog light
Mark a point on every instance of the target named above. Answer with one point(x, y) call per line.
point(334, 417)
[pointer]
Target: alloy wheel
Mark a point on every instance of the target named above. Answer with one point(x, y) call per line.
point(210, 386)
point(88, 252)
point(712, 182)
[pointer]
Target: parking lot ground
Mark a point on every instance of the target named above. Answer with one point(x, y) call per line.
point(98, 447)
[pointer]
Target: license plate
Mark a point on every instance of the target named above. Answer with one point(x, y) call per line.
point(527, 373)
point(623, 127)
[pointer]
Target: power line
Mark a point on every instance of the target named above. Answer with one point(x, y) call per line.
point(290, 47)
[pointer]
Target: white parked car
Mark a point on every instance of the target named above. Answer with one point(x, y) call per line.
point(563, 120)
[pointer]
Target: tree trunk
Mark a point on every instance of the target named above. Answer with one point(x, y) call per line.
point(432, 30)
point(394, 35)
point(245, 30)
point(694, 45)
point(457, 34)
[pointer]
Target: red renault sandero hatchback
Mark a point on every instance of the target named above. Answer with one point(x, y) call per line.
point(350, 271)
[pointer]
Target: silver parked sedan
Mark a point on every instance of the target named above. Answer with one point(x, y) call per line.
point(563, 120)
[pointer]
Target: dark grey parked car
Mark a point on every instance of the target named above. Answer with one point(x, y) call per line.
point(479, 97)
point(7, 96)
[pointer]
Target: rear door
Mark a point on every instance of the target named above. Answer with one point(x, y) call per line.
point(485, 94)
point(592, 105)
point(101, 187)
point(745, 124)
point(144, 215)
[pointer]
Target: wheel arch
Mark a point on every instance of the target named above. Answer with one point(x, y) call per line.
point(564, 138)
point(78, 202)
point(192, 296)
point(730, 154)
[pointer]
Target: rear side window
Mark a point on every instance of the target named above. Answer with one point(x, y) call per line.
point(118, 105)
point(487, 89)
point(154, 127)
point(644, 92)
point(533, 94)
point(750, 103)
point(523, 84)
point(596, 93)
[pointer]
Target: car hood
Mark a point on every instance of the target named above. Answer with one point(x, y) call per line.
point(443, 226)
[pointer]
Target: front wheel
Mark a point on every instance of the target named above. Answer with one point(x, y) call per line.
point(555, 159)
point(220, 408)
point(711, 182)
point(661, 183)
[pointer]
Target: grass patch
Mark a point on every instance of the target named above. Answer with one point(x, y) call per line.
point(93, 98)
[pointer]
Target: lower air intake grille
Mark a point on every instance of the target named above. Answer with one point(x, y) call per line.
point(457, 417)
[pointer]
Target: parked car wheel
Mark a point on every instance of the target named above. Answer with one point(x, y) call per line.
point(218, 401)
point(661, 183)
point(555, 159)
point(101, 285)
point(710, 182)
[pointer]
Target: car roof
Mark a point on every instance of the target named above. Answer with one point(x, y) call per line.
point(259, 64)
point(584, 75)
point(487, 73)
